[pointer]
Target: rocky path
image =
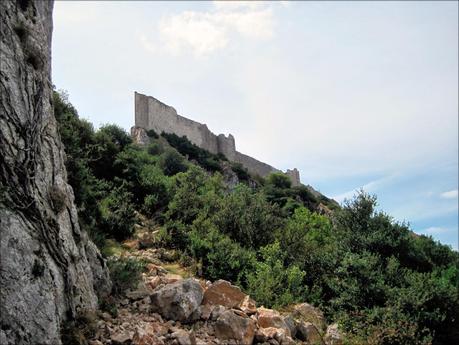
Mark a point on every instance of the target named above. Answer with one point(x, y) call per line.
point(168, 308)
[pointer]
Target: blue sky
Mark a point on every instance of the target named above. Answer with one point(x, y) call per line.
point(353, 94)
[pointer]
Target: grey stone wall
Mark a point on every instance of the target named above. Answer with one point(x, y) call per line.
point(153, 114)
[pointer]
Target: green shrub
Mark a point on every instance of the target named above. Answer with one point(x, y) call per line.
point(172, 163)
point(125, 273)
point(241, 172)
point(221, 257)
point(176, 235)
point(273, 284)
point(155, 149)
point(118, 214)
point(157, 188)
point(247, 217)
point(204, 158)
point(152, 134)
point(279, 180)
point(194, 194)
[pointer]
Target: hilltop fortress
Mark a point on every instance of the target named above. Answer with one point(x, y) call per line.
point(153, 114)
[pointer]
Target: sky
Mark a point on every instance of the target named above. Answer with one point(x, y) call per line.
point(353, 94)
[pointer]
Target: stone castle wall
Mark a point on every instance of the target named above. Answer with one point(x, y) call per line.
point(153, 114)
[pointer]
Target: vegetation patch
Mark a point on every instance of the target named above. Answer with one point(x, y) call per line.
point(125, 273)
point(281, 244)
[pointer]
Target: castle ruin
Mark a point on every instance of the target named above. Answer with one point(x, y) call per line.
point(153, 114)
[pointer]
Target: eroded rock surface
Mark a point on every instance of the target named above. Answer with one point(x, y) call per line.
point(223, 293)
point(177, 301)
point(49, 270)
point(230, 326)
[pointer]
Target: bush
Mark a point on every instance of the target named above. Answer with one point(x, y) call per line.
point(241, 172)
point(125, 273)
point(279, 180)
point(118, 214)
point(247, 218)
point(221, 257)
point(152, 134)
point(155, 149)
point(110, 140)
point(172, 163)
point(271, 283)
point(157, 188)
point(194, 194)
point(205, 159)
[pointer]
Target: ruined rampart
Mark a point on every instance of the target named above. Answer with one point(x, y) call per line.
point(153, 114)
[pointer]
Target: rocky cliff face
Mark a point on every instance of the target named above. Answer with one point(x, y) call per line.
point(49, 270)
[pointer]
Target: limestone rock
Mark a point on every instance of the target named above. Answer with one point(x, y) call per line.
point(231, 326)
point(171, 278)
point(308, 332)
point(205, 311)
point(223, 293)
point(177, 301)
point(121, 338)
point(291, 324)
point(248, 306)
point(184, 338)
point(143, 290)
point(272, 318)
point(333, 336)
point(307, 313)
point(154, 282)
point(216, 312)
point(263, 335)
point(140, 136)
point(49, 268)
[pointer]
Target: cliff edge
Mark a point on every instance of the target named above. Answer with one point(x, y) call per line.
point(49, 269)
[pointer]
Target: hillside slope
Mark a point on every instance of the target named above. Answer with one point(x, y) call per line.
point(280, 244)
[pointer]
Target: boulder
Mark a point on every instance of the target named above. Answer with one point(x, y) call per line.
point(248, 306)
point(223, 293)
point(205, 310)
point(121, 338)
point(291, 324)
point(177, 301)
point(170, 278)
point(307, 313)
point(230, 326)
point(143, 290)
point(140, 136)
point(263, 335)
point(145, 336)
point(306, 331)
point(333, 336)
point(184, 338)
point(271, 318)
point(216, 312)
point(154, 282)
point(155, 269)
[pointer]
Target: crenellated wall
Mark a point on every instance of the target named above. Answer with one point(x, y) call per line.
point(153, 114)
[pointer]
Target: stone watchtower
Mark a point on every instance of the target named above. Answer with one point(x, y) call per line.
point(153, 114)
point(294, 176)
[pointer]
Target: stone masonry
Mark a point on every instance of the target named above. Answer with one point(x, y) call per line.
point(153, 114)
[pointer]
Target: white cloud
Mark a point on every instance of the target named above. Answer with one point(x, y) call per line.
point(436, 230)
point(207, 32)
point(452, 194)
point(368, 187)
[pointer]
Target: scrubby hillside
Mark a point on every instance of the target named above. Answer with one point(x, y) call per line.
point(381, 283)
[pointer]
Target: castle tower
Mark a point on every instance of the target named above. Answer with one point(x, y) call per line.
point(294, 176)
